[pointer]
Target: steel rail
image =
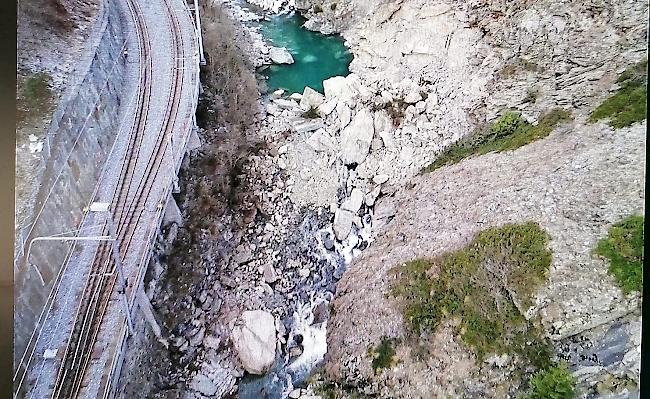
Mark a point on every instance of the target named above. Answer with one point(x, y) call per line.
point(92, 321)
point(100, 264)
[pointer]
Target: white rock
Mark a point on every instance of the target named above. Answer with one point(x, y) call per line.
point(380, 179)
point(254, 339)
point(432, 103)
point(342, 223)
point(413, 97)
point(284, 104)
point(272, 109)
point(278, 93)
point(296, 97)
point(372, 195)
point(327, 107)
point(302, 125)
point(384, 128)
point(49, 353)
point(204, 385)
point(321, 141)
point(353, 204)
point(346, 89)
point(356, 138)
point(386, 97)
point(310, 99)
point(344, 113)
point(280, 55)
point(270, 276)
point(376, 144)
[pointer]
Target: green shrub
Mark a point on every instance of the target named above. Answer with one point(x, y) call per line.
point(333, 6)
point(553, 383)
point(327, 388)
point(623, 247)
point(37, 87)
point(317, 9)
point(487, 286)
point(384, 355)
point(507, 133)
point(628, 104)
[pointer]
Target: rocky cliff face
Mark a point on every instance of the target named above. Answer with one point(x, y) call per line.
point(576, 183)
point(439, 69)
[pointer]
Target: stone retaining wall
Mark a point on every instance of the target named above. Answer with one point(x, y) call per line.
point(81, 134)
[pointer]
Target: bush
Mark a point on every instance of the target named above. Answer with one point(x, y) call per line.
point(227, 111)
point(507, 133)
point(628, 104)
point(623, 247)
point(487, 286)
point(37, 87)
point(333, 6)
point(317, 9)
point(384, 355)
point(553, 383)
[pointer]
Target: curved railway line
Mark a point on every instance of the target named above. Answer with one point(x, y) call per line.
point(127, 210)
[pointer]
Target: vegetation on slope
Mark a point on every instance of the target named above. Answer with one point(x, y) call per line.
point(623, 247)
point(628, 104)
point(553, 383)
point(488, 286)
point(383, 356)
point(507, 133)
point(227, 110)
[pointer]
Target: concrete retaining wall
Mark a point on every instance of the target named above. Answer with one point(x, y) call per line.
point(82, 132)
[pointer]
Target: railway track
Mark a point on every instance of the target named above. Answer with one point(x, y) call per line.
point(127, 209)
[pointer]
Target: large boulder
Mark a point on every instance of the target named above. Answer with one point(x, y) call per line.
point(342, 223)
point(354, 203)
point(310, 99)
point(280, 55)
point(321, 141)
point(345, 89)
point(254, 339)
point(356, 138)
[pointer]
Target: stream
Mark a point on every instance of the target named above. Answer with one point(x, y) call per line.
point(317, 57)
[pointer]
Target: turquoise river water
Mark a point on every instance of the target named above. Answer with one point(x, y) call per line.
point(317, 57)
